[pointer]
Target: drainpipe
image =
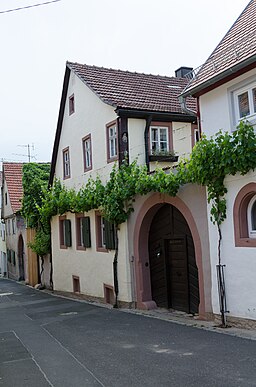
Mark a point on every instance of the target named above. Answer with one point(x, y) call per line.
point(148, 123)
point(198, 117)
point(184, 107)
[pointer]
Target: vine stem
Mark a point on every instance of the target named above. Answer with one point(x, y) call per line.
point(219, 243)
point(116, 287)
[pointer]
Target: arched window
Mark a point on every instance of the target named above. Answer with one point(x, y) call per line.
point(251, 217)
point(244, 213)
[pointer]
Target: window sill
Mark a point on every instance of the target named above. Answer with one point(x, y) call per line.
point(101, 249)
point(80, 248)
point(163, 158)
point(245, 242)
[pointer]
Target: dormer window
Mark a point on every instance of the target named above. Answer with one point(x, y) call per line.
point(71, 104)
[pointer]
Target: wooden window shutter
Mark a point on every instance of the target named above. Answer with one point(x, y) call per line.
point(86, 231)
point(109, 235)
point(67, 233)
point(13, 257)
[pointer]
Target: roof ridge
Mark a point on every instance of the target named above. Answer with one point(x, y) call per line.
point(123, 71)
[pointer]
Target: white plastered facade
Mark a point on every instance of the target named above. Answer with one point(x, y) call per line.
point(218, 112)
point(95, 268)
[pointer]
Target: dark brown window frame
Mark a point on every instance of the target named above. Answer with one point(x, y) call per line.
point(84, 139)
point(108, 126)
point(240, 216)
point(66, 151)
point(71, 104)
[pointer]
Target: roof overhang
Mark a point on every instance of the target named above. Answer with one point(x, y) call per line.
point(59, 124)
point(155, 115)
point(223, 77)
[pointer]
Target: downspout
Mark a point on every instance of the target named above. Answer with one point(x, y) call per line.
point(198, 117)
point(184, 107)
point(148, 123)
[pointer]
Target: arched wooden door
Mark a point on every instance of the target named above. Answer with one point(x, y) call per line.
point(173, 269)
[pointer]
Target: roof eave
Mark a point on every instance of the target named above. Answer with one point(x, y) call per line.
point(156, 115)
point(59, 125)
point(221, 78)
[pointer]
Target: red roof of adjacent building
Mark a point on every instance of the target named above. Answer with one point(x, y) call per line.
point(236, 48)
point(12, 173)
point(131, 90)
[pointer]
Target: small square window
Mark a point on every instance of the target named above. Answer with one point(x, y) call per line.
point(71, 104)
point(66, 163)
point(87, 153)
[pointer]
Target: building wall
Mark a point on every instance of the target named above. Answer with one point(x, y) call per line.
point(217, 108)
point(3, 258)
point(217, 111)
point(93, 268)
point(90, 116)
point(12, 240)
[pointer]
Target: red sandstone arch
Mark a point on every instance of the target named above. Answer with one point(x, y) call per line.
point(141, 232)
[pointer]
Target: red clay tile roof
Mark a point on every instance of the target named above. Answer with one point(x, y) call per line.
point(129, 90)
point(238, 45)
point(13, 175)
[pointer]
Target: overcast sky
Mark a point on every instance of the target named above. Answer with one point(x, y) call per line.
point(150, 36)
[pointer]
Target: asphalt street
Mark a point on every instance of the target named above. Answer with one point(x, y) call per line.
point(52, 341)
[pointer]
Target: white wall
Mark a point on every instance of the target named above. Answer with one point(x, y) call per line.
point(90, 116)
point(216, 108)
point(92, 267)
point(216, 113)
point(182, 141)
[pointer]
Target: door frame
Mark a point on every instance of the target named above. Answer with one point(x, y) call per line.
point(140, 242)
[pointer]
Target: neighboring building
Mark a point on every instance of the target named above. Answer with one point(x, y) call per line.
point(106, 115)
point(3, 258)
point(225, 87)
point(15, 229)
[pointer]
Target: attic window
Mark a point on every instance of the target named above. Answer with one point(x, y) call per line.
point(71, 104)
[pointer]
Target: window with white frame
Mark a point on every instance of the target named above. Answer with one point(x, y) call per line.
point(159, 139)
point(87, 151)
point(66, 163)
point(251, 217)
point(112, 141)
point(245, 102)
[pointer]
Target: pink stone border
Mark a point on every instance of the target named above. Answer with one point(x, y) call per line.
point(141, 232)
